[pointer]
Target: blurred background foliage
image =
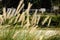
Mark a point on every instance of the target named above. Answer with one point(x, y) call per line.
point(38, 3)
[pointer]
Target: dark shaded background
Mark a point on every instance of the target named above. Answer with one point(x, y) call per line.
point(10, 3)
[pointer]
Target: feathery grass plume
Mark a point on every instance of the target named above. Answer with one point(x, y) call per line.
point(1, 19)
point(21, 17)
point(31, 33)
point(26, 25)
point(4, 13)
point(19, 8)
point(11, 20)
point(23, 21)
point(15, 34)
point(28, 15)
point(41, 38)
point(33, 29)
point(21, 2)
point(12, 13)
point(34, 18)
point(16, 20)
point(27, 32)
point(8, 13)
point(38, 18)
point(28, 9)
point(49, 22)
point(38, 35)
point(45, 20)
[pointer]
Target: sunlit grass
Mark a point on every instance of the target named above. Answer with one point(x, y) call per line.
point(8, 32)
point(16, 26)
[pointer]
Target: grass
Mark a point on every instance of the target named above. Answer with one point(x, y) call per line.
point(16, 26)
point(33, 33)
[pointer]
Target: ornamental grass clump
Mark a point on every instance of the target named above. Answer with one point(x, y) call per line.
point(15, 16)
point(23, 26)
